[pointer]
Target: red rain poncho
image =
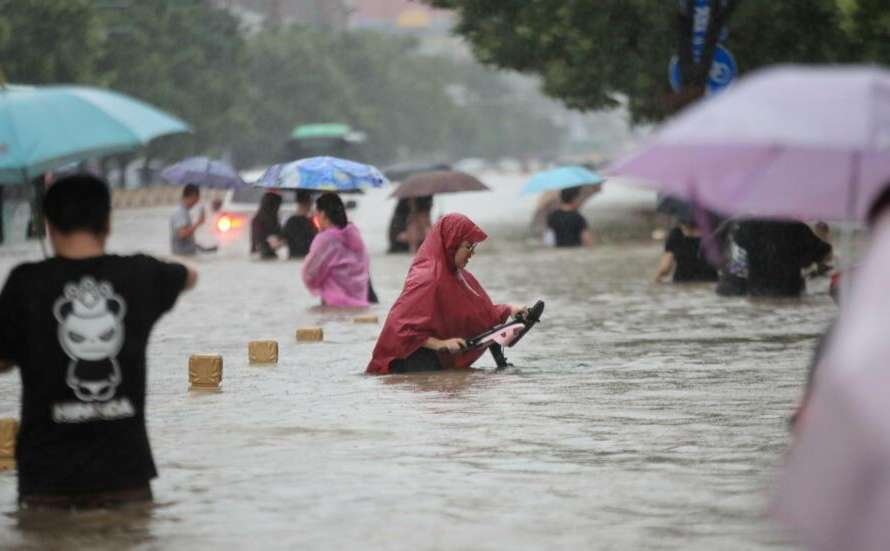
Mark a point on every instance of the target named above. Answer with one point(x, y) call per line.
point(438, 300)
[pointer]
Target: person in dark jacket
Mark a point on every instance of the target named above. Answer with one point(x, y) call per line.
point(265, 228)
point(777, 251)
point(299, 230)
point(683, 255)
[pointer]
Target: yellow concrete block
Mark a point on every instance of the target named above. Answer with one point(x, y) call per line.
point(310, 334)
point(205, 371)
point(365, 319)
point(9, 428)
point(262, 352)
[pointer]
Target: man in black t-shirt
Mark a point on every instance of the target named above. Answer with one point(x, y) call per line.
point(77, 326)
point(683, 255)
point(568, 226)
point(300, 230)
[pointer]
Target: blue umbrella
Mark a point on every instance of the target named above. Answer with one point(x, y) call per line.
point(46, 127)
point(561, 178)
point(322, 174)
point(203, 171)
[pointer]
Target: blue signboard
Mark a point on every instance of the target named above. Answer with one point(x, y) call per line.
point(723, 71)
point(701, 16)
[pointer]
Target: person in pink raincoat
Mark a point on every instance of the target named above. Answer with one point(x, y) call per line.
point(834, 490)
point(336, 268)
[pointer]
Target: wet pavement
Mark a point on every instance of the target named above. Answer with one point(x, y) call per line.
point(638, 416)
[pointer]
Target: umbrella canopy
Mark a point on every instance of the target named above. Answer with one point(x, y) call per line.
point(321, 130)
point(434, 183)
point(672, 206)
point(42, 128)
point(322, 174)
point(791, 141)
point(562, 178)
point(203, 171)
point(833, 488)
point(402, 171)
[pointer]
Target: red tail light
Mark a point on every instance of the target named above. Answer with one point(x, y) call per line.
point(227, 222)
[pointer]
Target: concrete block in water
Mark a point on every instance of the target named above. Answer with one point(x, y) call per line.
point(9, 428)
point(205, 371)
point(365, 319)
point(310, 334)
point(262, 352)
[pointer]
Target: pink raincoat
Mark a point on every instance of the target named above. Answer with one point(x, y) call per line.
point(336, 268)
point(834, 491)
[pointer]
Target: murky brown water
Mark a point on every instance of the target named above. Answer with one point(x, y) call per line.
point(639, 416)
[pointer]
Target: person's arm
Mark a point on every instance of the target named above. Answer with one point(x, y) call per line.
point(586, 237)
point(188, 230)
point(665, 267)
point(317, 264)
point(11, 320)
point(452, 345)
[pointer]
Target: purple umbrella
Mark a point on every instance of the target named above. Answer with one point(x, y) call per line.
point(791, 141)
point(204, 172)
point(834, 490)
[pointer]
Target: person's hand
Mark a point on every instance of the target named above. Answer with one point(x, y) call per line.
point(454, 345)
point(274, 241)
point(518, 311)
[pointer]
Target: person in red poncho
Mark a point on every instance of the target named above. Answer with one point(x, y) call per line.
point(440, 305)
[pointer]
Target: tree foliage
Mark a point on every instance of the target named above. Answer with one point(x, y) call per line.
point(591, 55)
point(28, 26)
point(244, 92)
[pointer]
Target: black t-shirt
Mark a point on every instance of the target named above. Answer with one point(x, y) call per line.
point(567, 226)
point(690, 262)
point(777, 251)
point(299, 232)
point(78, 329)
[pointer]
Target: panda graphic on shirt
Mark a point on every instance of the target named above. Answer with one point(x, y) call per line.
point(91, 332)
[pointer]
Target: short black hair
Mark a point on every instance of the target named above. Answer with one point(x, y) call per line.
point(878, 206)
point(190, 190)
point(80, 202)
point(304, 196)
point(569, 194)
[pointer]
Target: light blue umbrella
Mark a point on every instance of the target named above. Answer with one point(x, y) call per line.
point(46, 127)
point(322, 174)
point(203, 171)
point(561, 178)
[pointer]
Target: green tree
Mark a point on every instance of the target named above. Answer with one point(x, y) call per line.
point(379, 84)
point(592, 54)
point(186, 57)
point(47, 41)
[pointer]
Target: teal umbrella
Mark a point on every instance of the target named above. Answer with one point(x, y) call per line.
point(46, 127)
point(561, 178)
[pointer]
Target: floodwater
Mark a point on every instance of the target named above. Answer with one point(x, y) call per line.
point(637, 416)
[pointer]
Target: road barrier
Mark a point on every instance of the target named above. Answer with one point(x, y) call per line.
point(310, 334)
point(262, 352)
point(205, 371)
point(9, 429)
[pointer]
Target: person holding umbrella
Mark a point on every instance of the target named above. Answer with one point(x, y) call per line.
point(337, 268)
